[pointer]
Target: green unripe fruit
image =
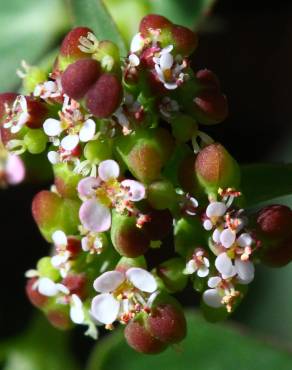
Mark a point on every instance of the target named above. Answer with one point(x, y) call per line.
point(183, 127)
point(161, 194)
point(98, 151)
point(171, 273)
point(188, 234)
point(66, 180)
point(33, 77)
point(216, 168)
point(35, 140)
point(145, 152)
point(46, 269)
point(127, 238)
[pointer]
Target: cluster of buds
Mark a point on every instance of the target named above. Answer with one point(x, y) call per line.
point(132, 167)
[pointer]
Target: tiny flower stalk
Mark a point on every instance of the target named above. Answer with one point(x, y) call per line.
point(144, 202)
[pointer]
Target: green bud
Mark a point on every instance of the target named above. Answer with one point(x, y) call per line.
point(183, 127)
point(108, 55)
point(33, 77)
point(35, 140)
point(66, 180)
point(161, 194)
point(125, 263)
point(171, 273)
point(46, 269)
point(98, 151)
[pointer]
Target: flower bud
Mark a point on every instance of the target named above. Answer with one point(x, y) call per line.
point(36, 298)
point(127, 238)
point(215, 168)
point(38, 112)
point(98, 150)
point(167, 323)
point(66, 180)
point(153, 22)
point(52, 213)
point(171, 273)
point(145, 152)
point(183, 127)
point(161, 194)
point(35, 141)
point(108, 55)
point(159, 224)
point(185, 40)
point(59, 318)
point(77, 284)
point(277, 254)
point(274, 221)
point(79, 77)
point(104, 96)
point(139, 338)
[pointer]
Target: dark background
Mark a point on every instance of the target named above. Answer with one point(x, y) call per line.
point(250, 48)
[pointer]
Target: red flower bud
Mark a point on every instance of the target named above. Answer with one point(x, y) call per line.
point(70, 44)
point(37, 111)
point(79, 77)
point(77, 284)
point(59, 319)
point(275, 221)
point(36, 298)
point(185, 40)
point(104, 96)
point(141, 340)
point(153, 22)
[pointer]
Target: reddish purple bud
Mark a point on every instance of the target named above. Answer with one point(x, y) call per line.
point(37, 111)
point(141, 340)
point(45, 206)
point(59, 319)
point(79, 77)
point(153, 22)
point(275, 221)
point(77, 284)
point(104, 96)
point(277, 255)
point(167, 323)
point(159, 225)
point(70, 44)
point(73, 246)
point(36, 298)
point(185, 40)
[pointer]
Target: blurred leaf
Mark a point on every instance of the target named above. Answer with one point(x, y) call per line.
point(208, 347)
point(262, 182)
point(41, 348)
point(28, 30)
point(93, 14)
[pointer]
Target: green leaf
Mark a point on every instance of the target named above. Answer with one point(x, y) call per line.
point(29, 29)
point(41, 348)
point(94, 14)
point(207, 347)
point(263, 182)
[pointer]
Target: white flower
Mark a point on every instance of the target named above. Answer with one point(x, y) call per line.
point(49, 288)
point(199, 264)
point(18, 115)
point(122, 294)
point(92, 243)
point(137, 43)
point(76, 310)
point(169, 70)
point(48, 89)
point(61, 260)
point(102, 192)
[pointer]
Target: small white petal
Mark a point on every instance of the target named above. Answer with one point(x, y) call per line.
point(108, 169)
point(208, 225)
point(105, 308)
point(95, 216)
point(212, 298)
point(134, 60)
point(166, 50)
point(23, 103)
point(53, 157)
point(166, 61)
point(59, 238)
point(47, 287)
point(216, 209)
point(87, 131)
point(191, 267)
point(214, 281)
point(245, 271)
point(142, 279)
point(136, 189)
point(52, 127)
point(203, 271)
point(216, 235)
point(224, 265)
point(137, 43)
point(63, 289)
point(108, 281)
point(86, 187)
point(170, 86)
point(244, 240)
point(206, 262)
point(227, 238)
point(70, 142)
point(76, 310)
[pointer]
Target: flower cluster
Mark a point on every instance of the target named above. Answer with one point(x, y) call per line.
point(131, 167)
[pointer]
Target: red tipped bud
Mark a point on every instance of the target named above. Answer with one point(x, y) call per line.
point(167, 323)
point(70, 44)
point(66, 180)
point(275, 221)
point(141, 340)
point(185, 40)
point(79, 77)
point(77, 284)
point(153, 22)
point(104, 96)
point(59, 319)
point(36, 298)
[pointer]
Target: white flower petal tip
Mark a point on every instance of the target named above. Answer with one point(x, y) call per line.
point(105, 308)
point(212, 298)
point(47, 287)
point(142, 279)
point(52, 127)
point(224, 265)
point(227, 238)
point(76, 310)
point(108, 281)
point(53, 157)
point(245, 271)
point(137, 43)
point(216, 209)
point(94, 216)
point(86, 187)
point(70, 142)
point(244, 240)
point(59, 238)
point(15, 170)
point(214, 281)
point(87, 131)
point(136, 190)
point(134, 60)
point(108, 169)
